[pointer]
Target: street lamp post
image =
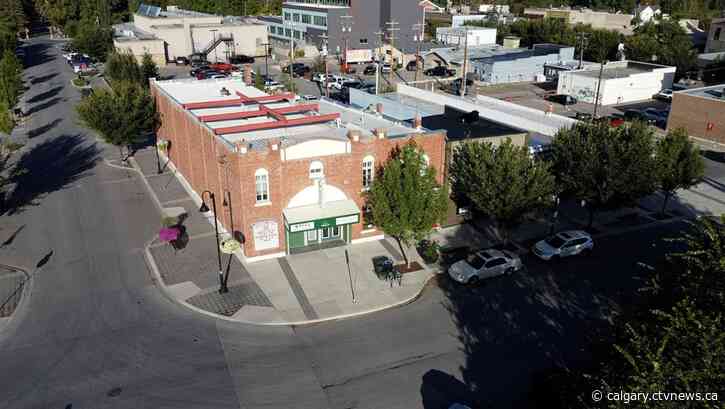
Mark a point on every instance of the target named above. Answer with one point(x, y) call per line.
point(227, 202)
point(204, 209)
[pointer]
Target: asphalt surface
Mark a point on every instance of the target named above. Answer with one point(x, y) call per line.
point(96, 332)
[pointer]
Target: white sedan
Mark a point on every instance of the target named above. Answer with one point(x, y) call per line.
point(485, 264)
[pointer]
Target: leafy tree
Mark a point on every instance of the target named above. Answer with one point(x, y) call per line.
point(679, 165)
point(258, 80)
point(94, 40)
point(11, 82)
point(663, 42)
point(121, 116)
point(7, 123)
point(605, 167)
point(123, 67)
point(405, 199)
point(502, 182)
point(148, 68)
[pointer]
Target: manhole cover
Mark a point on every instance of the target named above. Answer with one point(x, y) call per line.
point(114, 392)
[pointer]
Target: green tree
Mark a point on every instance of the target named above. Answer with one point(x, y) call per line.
point(605, 167)
point(663, 42)
point(503, 182)
point(94, 40)
point(11, 82)
point(122, 116)
point(679, 165)
point(7, 123)
point(405, 199)
point(258, 80)
point(123, 67)
point(148, 68)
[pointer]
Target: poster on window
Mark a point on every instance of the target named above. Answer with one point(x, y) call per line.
point(266, 235)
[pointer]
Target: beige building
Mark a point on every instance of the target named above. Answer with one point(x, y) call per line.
point(176, 32)
point(716, 36)
point(619, 22)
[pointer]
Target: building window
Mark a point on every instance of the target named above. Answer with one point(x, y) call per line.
point(320, 21)
point(288, 32)
point(363, 41)
point(317, 170)
point(716, 36)
point(367, 172)
point(287, 16)
point(296, 18)
point(261, 177)
point(298, 35)
point(306, 18)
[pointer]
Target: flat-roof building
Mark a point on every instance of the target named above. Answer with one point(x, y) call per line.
point(295, 172)
point(700, 111)
point(175, 32)
point(621, 82)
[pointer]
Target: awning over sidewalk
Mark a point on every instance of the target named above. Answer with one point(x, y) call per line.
point(313, 217)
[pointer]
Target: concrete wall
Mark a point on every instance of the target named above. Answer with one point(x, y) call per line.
point(194, 150)
point(145, 23)
point(506, 69)
point(138, 48)
point(635, 87)
point(449, 36)
point(248, 39)
point(694, 114)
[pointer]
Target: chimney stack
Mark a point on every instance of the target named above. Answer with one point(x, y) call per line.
point(353, 135)
point(418, 122)
point(379, 108)
point(248, 74)
point(380, 132)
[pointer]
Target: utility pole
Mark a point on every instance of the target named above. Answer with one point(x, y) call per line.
point(599, 84)
point(379, 35)
point(582, 39)
point(418, 38)
point(266, 59)
point(346, 26)
point(324, 38)
point(464, 77)
point(291, 65)
point(392, 36)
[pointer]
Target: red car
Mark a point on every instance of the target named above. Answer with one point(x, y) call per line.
point(223, 67)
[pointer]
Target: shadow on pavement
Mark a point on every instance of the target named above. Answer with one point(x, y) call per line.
point(44, 78)
point(47, 167)
point(47, 104)
point(38, 54)
point(440, 390)
point(45, 95)
point(35, 132)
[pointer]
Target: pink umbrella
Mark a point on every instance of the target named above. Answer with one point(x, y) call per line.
point(169, 234)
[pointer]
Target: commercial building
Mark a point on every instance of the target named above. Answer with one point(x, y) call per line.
point(308, 22)
point(174, 32)
point(619, 22)
point(461, 20)
point(700, 111)
point(494, 8)
point(295, 172)
point(472, 36)
point(494, 64)
point(716, 36)
point(621, 82)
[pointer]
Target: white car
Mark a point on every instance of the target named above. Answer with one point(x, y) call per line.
point(386, 67)
point(320, 77)
point(564, 244)
point(665, 95)
point(309, 97)
point(484, 264)
point(336, 82)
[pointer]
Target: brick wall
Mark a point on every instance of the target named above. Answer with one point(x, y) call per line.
point(209, 164)
point(693, 113)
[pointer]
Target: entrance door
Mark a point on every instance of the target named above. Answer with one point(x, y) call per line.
point(330, 233)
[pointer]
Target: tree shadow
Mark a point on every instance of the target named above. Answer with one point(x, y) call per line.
point(43, 261)
point(35, 132)
point(37, 54)
point(47, 104)
point(47, 167)
point(43, 78)
point(440, 390)
point(45, 95)
point(12, 237)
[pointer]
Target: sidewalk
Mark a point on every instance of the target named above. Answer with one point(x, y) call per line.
point(293, 290)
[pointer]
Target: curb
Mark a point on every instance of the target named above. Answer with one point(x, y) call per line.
point(151, 262)
point(157, 277)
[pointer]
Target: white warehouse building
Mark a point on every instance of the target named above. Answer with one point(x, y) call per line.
point(457, 36)
point(622, 82)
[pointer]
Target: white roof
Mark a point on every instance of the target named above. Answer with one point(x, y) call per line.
point(303, 214)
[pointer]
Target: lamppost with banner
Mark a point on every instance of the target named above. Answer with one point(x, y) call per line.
point(205, 209)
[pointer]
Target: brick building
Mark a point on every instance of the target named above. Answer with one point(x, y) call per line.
point(700, 111)
point(294, 172)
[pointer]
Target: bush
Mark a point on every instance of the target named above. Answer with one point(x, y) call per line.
point(80, 82)
point(429, 250)
point(169, 221)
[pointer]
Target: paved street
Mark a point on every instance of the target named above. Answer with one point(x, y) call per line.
point(96, 332)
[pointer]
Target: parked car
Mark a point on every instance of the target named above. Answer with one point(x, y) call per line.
point(298, 69)
point(336, 82)
point(657, 115)
point(616, 120)
point(664, 95)
point(272, 85)
point(439, 71)
point(637, 115)
point(207, 74)
point(241, 59)
point(562, 99)
point(181, 61)
point(484, 264)
point(199, 69)
point(564, 244)
point(309, 97)
point(583, 116)
point(411, 66)
point(223, 67)
point(369, 70)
